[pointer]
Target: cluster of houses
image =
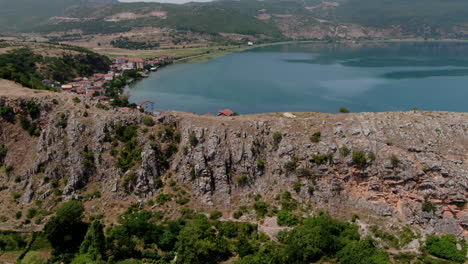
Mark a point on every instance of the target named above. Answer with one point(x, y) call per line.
point(94, 85)
point(123, 63)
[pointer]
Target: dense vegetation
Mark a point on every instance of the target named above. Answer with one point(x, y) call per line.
point(425, 18)
point(24, 66)
point(142, 236)
point(126, 43)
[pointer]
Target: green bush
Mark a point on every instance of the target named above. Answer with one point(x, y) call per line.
point(243, 180)
point(445, 247)
point(215, 215)
point(359, 158)
point(316, 137)
point(320, 159)
point(148, 121)
point(427, 206)
point(7, 112)
point(394, 160)
point(286, 218)
point(193, 139)
point(163, 198)
point(344, 151)
point(76, 100)
point(261, 208)
point(277, 137)
point(260, 164)
point(297, 186)
point(344, 110)
point(237, 214)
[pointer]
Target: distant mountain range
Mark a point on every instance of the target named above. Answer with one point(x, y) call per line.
point(306, 19)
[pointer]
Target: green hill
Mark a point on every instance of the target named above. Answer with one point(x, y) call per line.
point(428, 18)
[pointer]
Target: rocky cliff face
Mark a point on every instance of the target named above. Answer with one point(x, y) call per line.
point(405, 168)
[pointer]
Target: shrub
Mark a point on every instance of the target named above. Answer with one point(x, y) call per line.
point(31, 213)
point(297, 186)
point(286, 218)
point(311, 190)
point(55, 101)
point(76, 100)
point(344, 110)
point(85, 114)
point(261, 208)
point(163, 198)
point(359, 158)
point(148, 121)
point(427, 206)
point(243, 180)
point(182, 200)
point(237, 214)
point(215, 215)
point(193, 139)
point(445, 247)
point(371, 157)
point(260, 164)
point(32, 108)
point(7, 112)
point(316, 137)
point(344, 151)
point(277, 137)
point(18, 215)
point(8, 169)
point(394, 160)
point(320, 159)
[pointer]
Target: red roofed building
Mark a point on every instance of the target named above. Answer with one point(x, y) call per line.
point(225, 112)
point(136, 63)
point(146, 105)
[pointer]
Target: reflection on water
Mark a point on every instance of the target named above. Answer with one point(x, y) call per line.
point(425, 74)
point(317, 77)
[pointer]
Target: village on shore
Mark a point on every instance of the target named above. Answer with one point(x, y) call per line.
point(96, 85)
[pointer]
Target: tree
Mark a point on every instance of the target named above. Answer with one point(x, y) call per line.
point(317, 237)
point(198, 243)
point(445, 247)
point(94, 243)
point(66, 230)
point(362, 252)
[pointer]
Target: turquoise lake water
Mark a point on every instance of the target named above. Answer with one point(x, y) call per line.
point(364, 77)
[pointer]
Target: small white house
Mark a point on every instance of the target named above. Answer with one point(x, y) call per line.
point(250, 43)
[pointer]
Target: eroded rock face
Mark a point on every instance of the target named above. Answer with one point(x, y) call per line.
point(431, 148)
point(236, 158)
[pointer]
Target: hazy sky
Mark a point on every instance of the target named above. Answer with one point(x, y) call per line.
point(166, 1)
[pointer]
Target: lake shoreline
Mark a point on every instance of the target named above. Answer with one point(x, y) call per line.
point(208, 56)
point(316, 78)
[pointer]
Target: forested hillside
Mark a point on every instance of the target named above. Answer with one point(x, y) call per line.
point(276, 19)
